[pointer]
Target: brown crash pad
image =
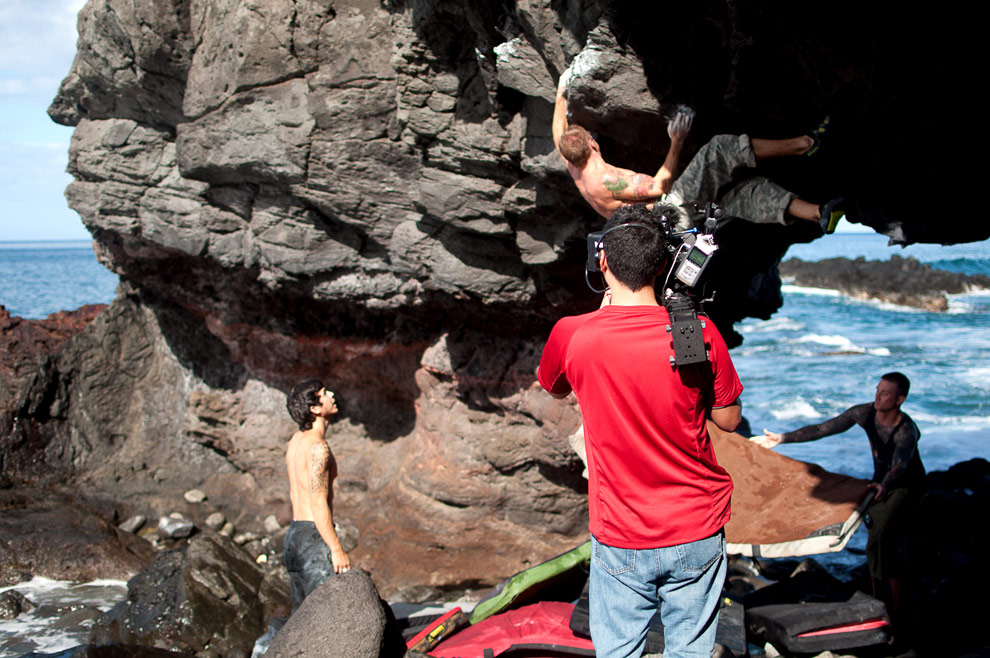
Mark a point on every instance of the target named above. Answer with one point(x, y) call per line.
point(782, 507)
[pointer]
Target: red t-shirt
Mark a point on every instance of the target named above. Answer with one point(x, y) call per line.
point(653, 479)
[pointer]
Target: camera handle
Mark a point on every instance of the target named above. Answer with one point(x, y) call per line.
point(685, 330)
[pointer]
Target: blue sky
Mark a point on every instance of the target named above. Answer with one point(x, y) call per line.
point(37, 44)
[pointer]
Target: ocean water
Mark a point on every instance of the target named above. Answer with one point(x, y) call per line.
point(39, 278)
point(63, 617)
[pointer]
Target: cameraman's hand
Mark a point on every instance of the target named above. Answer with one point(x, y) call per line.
point(679, 127)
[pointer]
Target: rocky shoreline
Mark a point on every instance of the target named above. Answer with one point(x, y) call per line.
point(205, 593)
point(902, 281)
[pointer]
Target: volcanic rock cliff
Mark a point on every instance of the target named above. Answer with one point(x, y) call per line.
point(368, 192)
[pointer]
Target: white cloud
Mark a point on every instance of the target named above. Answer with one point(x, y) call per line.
point(37, 44)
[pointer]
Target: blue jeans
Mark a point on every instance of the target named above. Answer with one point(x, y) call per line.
point(307, 559)
point(628, 584)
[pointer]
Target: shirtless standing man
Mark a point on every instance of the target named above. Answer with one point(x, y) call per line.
point(607, 187)
point(312, 549)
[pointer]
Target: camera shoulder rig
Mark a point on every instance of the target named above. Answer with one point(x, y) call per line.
point(685, 331)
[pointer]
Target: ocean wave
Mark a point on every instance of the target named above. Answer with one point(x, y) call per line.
point(977, 377)
point(782, 323)
point(960, 423)
point(866, 301)
point(805, 290)
point(35, 631)
point(750, 350)
point(795, 409)
point(841, 344)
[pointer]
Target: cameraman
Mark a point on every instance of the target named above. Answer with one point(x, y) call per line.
point(657, 497)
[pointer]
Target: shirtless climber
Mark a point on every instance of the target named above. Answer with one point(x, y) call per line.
point(312, 549)
point(757, 199)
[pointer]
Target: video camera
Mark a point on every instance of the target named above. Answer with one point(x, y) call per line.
point(690, 253)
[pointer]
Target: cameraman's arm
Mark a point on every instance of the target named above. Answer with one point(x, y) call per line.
point(729, 417)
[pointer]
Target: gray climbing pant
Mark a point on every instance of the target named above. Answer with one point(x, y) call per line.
point(711, 176)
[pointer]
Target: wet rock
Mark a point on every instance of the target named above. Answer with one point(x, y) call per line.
point(133, 524)
point(13, 603)
point(342, 617)
point(79, 617)
point(175, 528)
point(109, 651)
point(208, 599)
point(227, 530)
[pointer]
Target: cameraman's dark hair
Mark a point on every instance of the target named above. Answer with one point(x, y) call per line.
point(900, 381)
point(634, 253)
point(304, 395)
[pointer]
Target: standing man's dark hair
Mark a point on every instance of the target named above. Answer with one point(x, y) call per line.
point(302, 397)
point(902, 383)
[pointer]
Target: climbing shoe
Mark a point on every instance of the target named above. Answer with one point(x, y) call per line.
point(817, 136)
point(832, 212)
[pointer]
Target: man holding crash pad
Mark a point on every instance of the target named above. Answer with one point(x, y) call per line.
point(897, 472)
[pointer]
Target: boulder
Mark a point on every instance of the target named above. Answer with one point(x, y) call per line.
point(13, 603)
point(46, 533)
point(208, 598)
point(343, 617)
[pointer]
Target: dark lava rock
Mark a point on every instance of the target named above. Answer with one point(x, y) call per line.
point(900, 280)
point(945, 556)
point(47, 534)
point(208, 599)
point(13, 603)
point(343, 617)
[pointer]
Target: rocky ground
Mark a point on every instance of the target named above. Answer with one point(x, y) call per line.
point(899, 280)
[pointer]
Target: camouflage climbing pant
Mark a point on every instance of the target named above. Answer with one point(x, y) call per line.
point(714, 174)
